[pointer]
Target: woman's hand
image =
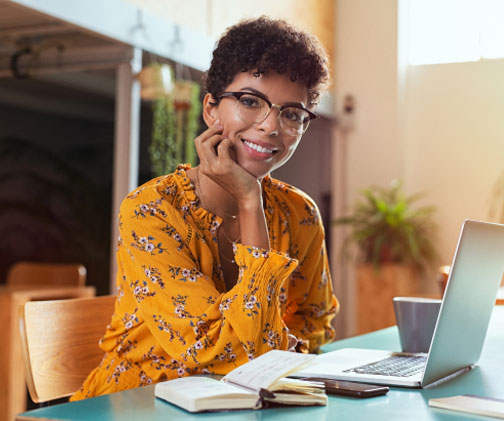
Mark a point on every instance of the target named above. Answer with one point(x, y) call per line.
point(293, 341)
point(216, 162)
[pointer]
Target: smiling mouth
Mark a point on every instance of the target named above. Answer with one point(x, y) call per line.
point(259, 148)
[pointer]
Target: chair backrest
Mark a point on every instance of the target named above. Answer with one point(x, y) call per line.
point(46, 274)
point(60, 343)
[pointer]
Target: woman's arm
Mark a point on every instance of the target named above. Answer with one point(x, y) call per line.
point(189, 318)
point(217, 165)
point(313, 305)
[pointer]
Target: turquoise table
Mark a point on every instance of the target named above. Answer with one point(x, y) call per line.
point(399, 404)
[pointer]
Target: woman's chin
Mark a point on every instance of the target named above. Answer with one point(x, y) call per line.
point(255, 169)
point(256, 173)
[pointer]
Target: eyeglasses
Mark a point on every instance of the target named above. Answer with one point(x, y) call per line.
point(254, 108)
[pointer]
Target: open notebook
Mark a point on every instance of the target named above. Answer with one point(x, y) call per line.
point(251, 385)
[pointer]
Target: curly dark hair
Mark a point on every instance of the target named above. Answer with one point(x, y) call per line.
point(265, 44)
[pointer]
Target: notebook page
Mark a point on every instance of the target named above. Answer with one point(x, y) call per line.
point(197, 387)
point(263, 371)
point(473, 404)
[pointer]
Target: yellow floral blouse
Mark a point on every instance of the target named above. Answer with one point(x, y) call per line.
point(173, 316)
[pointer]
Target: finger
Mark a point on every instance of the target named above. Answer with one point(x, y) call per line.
point(208, 148)
point(205, 148)
point(211, 131)
point(223, 149)
point(214, 158)
point(292, 342)
point(223, 163)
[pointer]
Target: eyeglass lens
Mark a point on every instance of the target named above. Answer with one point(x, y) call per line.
point(254, 109)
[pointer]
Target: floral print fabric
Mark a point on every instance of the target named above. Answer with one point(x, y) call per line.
point(173, 316)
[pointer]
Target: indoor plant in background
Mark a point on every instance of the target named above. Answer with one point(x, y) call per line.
point(175, 124)
point(175, 121)
point(395, 244)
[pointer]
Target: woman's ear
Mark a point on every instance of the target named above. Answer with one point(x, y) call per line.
point(210, 110)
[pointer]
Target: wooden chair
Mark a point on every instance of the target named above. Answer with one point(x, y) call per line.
point(23, 274)
point(443, 273)
point(60, 343)
point(442, 278)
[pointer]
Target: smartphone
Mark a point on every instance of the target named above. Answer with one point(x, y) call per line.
point(356, 390)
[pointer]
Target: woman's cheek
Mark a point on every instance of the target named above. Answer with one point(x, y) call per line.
point(231, 125)
point(230, 134)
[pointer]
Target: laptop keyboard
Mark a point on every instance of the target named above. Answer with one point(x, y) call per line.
point(396, 365)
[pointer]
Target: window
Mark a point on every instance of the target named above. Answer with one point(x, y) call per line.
point(450, 31)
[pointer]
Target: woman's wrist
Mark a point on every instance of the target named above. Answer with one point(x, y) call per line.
point(253, 227)
point(250, 202)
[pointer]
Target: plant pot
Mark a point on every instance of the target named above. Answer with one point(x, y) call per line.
point(156, 81)
point(375, 290)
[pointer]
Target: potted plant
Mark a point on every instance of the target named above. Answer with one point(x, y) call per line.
point(395, 243)
point(156, 81)
point(175, 122)
point(175, 125)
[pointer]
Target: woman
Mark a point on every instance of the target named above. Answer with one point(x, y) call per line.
point(221, 263)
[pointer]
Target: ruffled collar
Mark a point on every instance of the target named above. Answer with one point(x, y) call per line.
point(188, 190)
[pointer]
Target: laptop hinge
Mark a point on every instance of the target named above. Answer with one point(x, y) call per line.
point(449, 377)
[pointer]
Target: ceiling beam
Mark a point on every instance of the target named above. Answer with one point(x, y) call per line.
point(136, 27)
point(51, 28)
point(67, 60)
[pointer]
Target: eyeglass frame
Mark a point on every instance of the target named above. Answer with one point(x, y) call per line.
point(238, 95)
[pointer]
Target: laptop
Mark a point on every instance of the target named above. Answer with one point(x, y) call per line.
point(473, 283)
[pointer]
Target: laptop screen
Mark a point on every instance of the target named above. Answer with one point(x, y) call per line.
point(470, 294)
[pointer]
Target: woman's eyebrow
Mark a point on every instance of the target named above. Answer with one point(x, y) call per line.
point(255, 91)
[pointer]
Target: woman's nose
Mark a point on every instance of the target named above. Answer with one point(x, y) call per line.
point(271, 124)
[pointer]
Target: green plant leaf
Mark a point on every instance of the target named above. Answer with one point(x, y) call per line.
point(173, 131)
point(385, 228)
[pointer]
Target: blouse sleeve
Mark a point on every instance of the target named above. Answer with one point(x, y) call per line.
point(189, 318)
point(309, 316)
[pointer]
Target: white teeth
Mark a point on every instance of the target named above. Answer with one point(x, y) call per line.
point(258, 148)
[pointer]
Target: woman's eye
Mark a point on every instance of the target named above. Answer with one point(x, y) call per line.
point(293, 114)
point(250, 101)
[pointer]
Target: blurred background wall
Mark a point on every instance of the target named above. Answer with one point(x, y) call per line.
point(438, 127)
